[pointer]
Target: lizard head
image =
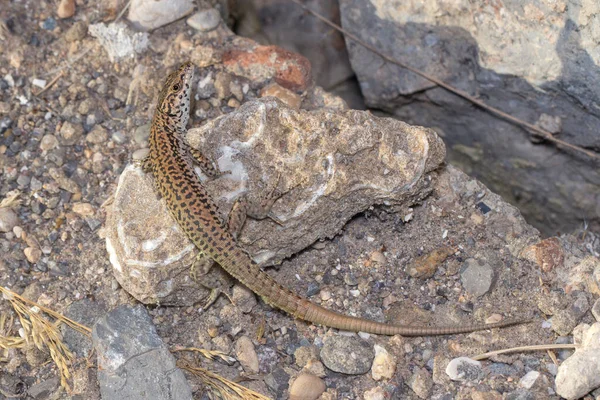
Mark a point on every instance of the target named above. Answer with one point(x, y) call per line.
point(174, 98)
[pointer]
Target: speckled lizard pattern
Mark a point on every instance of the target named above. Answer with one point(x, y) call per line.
point(171, 162)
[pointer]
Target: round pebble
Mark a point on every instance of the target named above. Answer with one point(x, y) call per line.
point(246, 354)
point(205, 20)
point(8, 219)
point(48, 142)
point(33, 254)
point(307, 387)
point(66, 9)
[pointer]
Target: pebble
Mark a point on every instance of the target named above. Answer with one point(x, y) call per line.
point(307, 387)
point(347, 355)
point(476, 276)
point(304, 354)
point(377, 393)
point(421, 383)
point(71, 133)
point(205, 20)
point(378, 257)
point(596, 310)
point(384, 364)
point(464, 369)
point(578, 374)
point(424, 267)
point(33, 254)
point(44, 389)
point(290, 98)
point(277, 381)
point(151, 14)
point(141, 134)
point(243, 298)
point(8, 219)
point(246, 354)
point(139, 154)
point(529, 379)
point(66, 9)
point(49, 24)
point(564, 321)
point(76, 32)
point(97, 135)
point(83, 209)
point(48, 142)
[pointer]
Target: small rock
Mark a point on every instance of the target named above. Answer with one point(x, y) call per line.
point(596, 310)
point(278, 381)
point(488, 395)
point(378, 257)
point(494, 318)
point(83, 209)
point(66, 9)
point(141, 134)
point(476, 277)
point(76, 32)
point(529, 379)
point(151, 14)
point(97, 135)
point(347, 354)
point(8, 219)
point(44, 389)
point(384, 364)
point(71, 133)
point(287, 96)
point(564, 321)
point(33, 254)
point(140, 154)
point(316, 368)
point(246, 354)
point(48, 142)
point(243, 298)
point(119, 41)
point(421, 383)
point(304, 354)
point(377, 393)
point(205, 20)
point(547, 254)
point(307, 387)
point(424, 267)
point(464, 369)
point(49, 24)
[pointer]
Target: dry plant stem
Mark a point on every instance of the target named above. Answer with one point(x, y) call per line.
point(537, 131)
point(50, 84)
point(538, 347)
point(227, 389)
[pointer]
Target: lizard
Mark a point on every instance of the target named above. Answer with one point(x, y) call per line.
point(171, 162)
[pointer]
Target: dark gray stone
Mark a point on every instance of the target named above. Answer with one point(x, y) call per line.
point(44, 389)
point(347, 354)
point(133, 361)
point(86, 312)
point(476, 276)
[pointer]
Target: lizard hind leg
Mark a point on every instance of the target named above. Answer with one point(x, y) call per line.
point(203, 265)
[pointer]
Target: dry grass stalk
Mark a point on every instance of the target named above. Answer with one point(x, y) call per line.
point(11, 199)
point(41, 332)
point(8, 342)
point(224, 388)
point(210, 354)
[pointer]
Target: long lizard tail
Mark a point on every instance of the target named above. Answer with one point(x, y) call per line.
point(280, 297)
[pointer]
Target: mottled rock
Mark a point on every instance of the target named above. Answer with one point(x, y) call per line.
point(97, 135)
point(48, 142)
point(243, 298)
point(86, 312)
point(44, 389)
point(424, 267)
point(132, 359)
point(528, 380)
point(118, 40)
point(578, 374)
point(70, 133)
point(547, 254)
point(83, 209)
point(304, 354)
point(351, 160)
point(376, 393)
point(246, 354)
point(76, 32)
point(384, 364)
point(476, 276)
point(146, 15)
point(278, 381)
point(464, 369)
point(347, 354)
point(150, 255)
point(205, 20)
point(290, 98)
point(307, 387)
point(33, 254)
point(566, 319)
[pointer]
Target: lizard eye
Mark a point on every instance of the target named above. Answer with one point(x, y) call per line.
point(176, 87)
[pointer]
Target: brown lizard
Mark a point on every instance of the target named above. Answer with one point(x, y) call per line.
point(171, 162)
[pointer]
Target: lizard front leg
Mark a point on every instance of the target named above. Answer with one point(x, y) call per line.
point(208, 168)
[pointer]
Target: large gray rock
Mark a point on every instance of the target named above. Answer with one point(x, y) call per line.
point(332, 166)
point(578, 374)
point(133, 361)
point(536, 61)
point(151, 14)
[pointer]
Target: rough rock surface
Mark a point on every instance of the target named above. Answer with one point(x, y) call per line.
point(133, 361)
point(333, 165)
point(534, 60)
point(578, 374)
